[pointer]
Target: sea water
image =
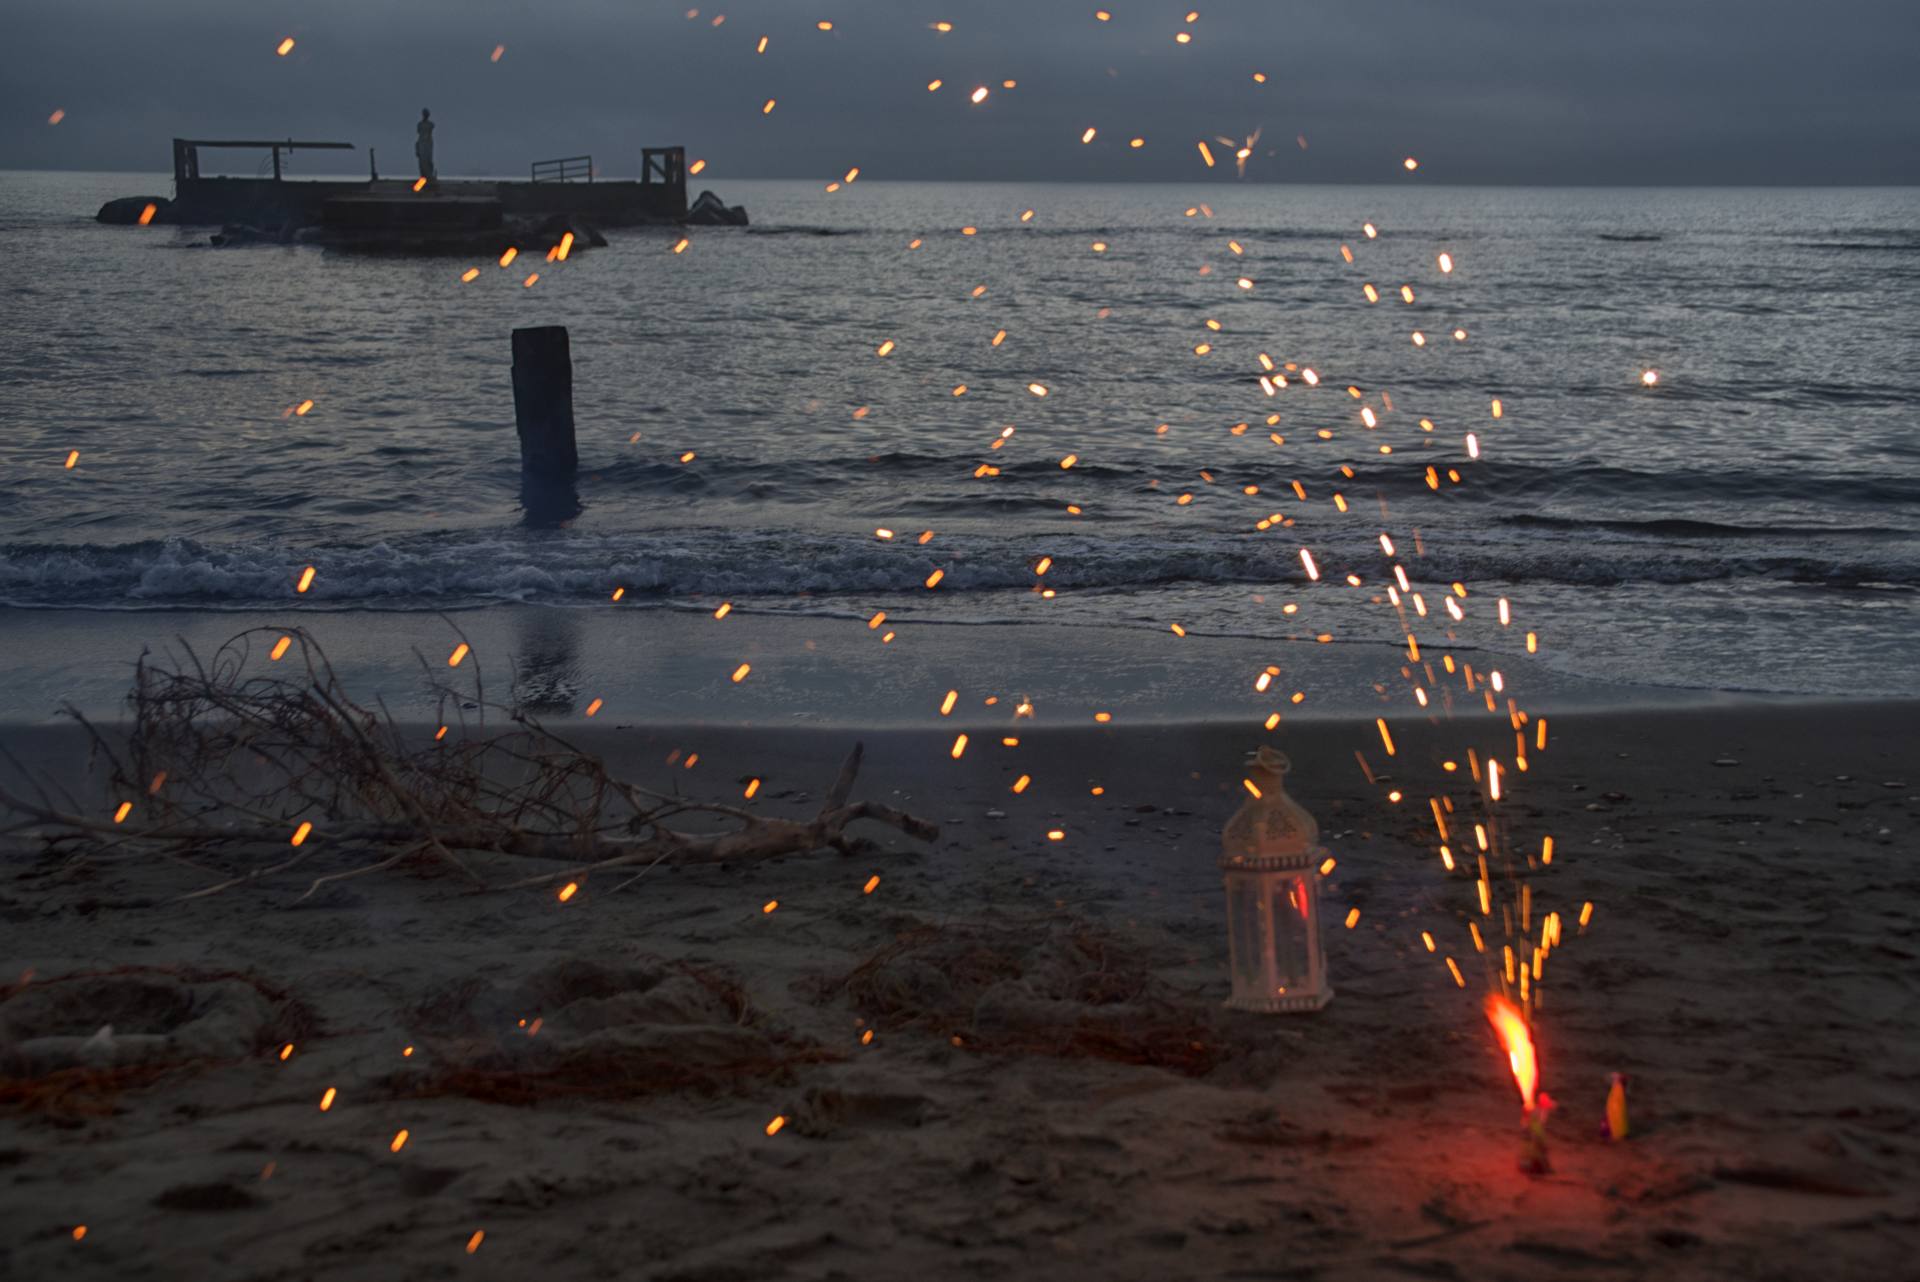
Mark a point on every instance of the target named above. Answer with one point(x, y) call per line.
point(1751, 521)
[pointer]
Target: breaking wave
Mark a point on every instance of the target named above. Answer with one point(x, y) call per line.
point(452, 571)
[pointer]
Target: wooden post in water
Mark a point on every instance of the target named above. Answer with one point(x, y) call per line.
point(543, 402)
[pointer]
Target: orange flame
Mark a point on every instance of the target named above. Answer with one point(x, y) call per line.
point(1511, 1028)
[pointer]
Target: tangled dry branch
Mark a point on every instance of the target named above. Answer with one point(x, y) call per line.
point(240, 750)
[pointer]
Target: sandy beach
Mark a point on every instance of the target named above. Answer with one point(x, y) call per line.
point(1051, 1086)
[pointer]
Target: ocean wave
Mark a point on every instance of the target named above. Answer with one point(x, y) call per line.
point(443, 571)
point(1682, 527)
point(1881, 246)
point(802, 229)
point(1488, 480)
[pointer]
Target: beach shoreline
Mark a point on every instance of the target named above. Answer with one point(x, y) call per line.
point(665, 666)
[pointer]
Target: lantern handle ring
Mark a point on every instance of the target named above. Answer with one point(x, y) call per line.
point(1272, 759)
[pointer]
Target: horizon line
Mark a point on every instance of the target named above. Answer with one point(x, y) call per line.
point(1888, 185)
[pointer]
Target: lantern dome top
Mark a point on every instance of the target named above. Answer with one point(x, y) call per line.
point(1271, 826)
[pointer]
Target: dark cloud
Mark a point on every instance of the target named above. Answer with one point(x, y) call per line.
point(1504, 91)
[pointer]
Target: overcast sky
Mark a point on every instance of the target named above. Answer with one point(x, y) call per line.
point(1481, 91)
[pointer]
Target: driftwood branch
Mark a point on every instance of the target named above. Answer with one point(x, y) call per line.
point(235, 752)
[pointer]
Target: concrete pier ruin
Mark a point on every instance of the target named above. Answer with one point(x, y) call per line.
point(405, 214)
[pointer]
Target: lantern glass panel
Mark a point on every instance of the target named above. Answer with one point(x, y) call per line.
point(1292, 931)
point(1246, 939)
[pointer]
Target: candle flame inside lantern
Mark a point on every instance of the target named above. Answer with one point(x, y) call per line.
point(1511, 1028)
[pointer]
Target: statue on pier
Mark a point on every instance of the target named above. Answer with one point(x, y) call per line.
point(423, 145)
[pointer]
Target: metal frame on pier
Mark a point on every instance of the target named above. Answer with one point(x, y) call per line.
point(186, 152)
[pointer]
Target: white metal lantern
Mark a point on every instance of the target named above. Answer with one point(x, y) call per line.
point(1271, 856)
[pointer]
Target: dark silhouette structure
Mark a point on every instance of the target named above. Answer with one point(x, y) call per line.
point(423, 145)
